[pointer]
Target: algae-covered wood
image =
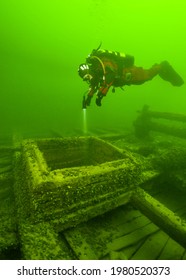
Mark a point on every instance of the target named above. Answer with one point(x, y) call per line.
point(72, 194)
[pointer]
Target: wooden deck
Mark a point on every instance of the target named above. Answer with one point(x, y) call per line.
point(125, 233)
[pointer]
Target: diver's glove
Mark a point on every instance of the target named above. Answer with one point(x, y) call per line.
point(86, 101)
point(84, 106)
point(98, 101)
point(99, 98)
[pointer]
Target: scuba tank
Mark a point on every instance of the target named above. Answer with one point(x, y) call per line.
point(122, 59)
point(103, 61)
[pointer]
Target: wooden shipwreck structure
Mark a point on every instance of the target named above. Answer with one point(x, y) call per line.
point(147, 121)
point(85, 197)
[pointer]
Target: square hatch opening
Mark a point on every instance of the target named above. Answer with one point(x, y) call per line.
point(77, 151)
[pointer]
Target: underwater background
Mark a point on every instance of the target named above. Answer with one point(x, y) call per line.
point(42, 43)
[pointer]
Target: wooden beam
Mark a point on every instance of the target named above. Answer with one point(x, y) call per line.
point(163, 217)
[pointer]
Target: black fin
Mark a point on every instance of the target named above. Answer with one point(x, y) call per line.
point(167, 73)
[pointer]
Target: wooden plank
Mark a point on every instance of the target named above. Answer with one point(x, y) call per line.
point(172, 251)
point(8, 226)
point(172, 224)
point(114, 233)
point(132, 238)
point(5, 161)
point(130, 226)
point(167, 115)
point(97, 232)
point(80, 244)
point(152, 247)
point(120, 215)
point(121, 225)
point(5, 169)
point(131, 250)
point(117, 255)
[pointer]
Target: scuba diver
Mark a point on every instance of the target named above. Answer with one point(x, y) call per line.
point(104, 69)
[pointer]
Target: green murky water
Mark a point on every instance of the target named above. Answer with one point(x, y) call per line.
point(43, 42)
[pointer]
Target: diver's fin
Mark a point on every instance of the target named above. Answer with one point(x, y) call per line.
point(167, 73)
